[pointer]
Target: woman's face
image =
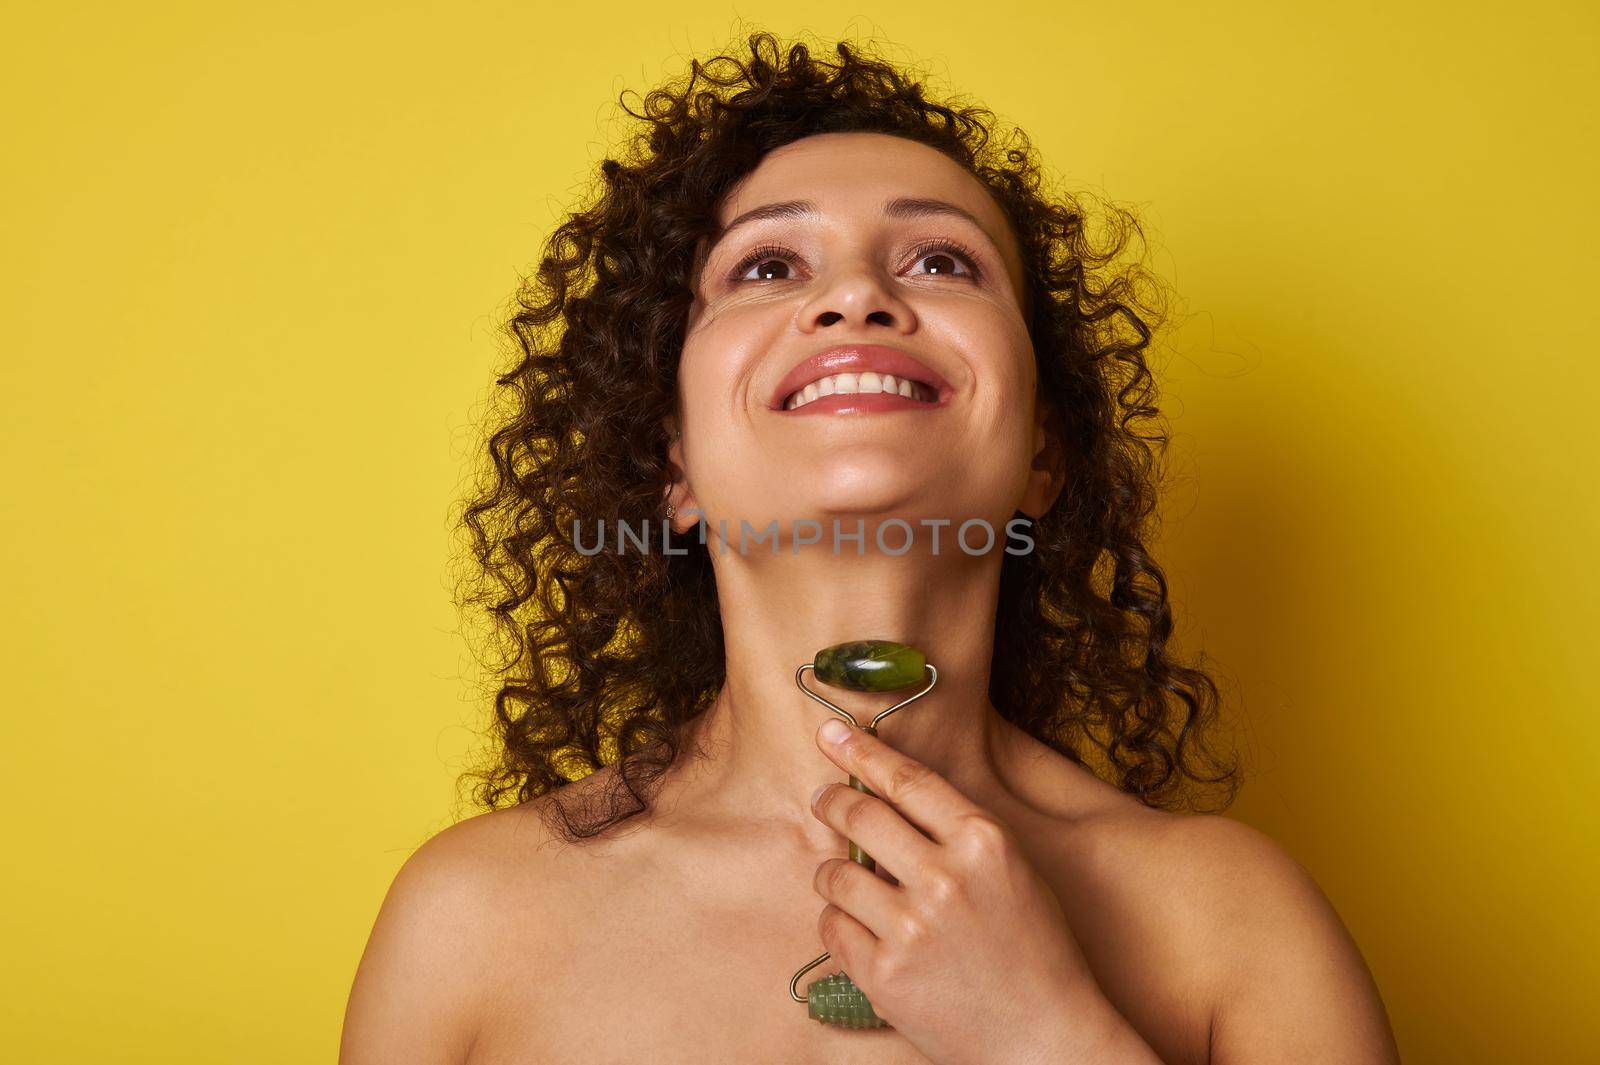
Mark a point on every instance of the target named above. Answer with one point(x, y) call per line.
point(936, 280)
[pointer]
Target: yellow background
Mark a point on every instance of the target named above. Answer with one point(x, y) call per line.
point(255, 257)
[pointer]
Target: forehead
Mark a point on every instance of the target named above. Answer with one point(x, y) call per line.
point(853, 175)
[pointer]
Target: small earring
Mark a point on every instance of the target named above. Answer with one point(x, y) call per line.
point(671, 510)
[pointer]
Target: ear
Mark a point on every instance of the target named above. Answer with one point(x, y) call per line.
point(1048, 473)
point(685, 514)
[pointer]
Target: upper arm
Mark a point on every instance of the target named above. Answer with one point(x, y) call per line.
point(414, 1000)
point(1292, 984)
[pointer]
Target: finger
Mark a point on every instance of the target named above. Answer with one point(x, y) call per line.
point(861, 893)
point(921, 795)
point(875, 827)
point(851, 943)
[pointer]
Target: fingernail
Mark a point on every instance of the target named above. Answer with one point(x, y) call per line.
point(815, 795)
point(835, 731)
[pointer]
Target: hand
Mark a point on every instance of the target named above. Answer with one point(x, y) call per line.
point(969, 956)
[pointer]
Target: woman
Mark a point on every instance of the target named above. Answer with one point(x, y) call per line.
point(789, 236)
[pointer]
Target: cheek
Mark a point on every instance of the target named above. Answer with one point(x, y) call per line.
point(710, 388)
point(722, 357)
point(1021, 368)
point(1004, 403)
point(1007, 381)
point(697, 379)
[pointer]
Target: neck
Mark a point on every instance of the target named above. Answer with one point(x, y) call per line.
point(760, 760)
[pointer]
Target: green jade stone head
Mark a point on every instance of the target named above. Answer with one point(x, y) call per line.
point(836, 1000)
point(870, 665)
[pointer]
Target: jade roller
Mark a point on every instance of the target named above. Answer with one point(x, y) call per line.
point(858, 666)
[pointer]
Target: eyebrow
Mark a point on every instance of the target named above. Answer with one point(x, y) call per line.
point(899, 207)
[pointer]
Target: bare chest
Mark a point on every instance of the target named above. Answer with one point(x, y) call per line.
point(678, 980)
point(669, 972)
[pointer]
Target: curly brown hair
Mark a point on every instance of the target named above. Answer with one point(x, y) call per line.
point(605, 656)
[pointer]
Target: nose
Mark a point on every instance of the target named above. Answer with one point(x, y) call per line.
point(857, 295)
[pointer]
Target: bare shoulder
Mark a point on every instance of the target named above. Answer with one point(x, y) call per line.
point(1285, 979)
point(418, 992)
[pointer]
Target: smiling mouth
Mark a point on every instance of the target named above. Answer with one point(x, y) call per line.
point(866, 390)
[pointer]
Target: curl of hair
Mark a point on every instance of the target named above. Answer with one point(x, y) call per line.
point(606, 656)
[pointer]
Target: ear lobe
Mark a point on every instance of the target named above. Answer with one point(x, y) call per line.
point(685, 513)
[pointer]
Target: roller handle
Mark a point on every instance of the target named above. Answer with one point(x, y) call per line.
point(856, 853)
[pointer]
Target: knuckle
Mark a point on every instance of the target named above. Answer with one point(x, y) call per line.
point(985, 837)
point(856, 817)
point(906, 778)
point(939, 886)
point(884, 967)
point(914, 927)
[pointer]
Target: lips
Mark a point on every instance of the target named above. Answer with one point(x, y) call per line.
point(856, 358)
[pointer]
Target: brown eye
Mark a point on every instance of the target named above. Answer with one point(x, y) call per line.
point(764, 260)
point(943, 258)
point(770, 270)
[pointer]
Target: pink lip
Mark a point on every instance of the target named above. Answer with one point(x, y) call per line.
point(855, 358)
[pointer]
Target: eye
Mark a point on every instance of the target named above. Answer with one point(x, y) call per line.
point(944, 249)
point(762, 256)
point(948, 251)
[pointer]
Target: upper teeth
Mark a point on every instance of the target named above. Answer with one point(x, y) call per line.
point(866, 381)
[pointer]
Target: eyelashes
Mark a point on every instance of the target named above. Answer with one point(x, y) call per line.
point(769, 252)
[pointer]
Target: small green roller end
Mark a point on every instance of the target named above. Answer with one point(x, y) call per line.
point(834, 999)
